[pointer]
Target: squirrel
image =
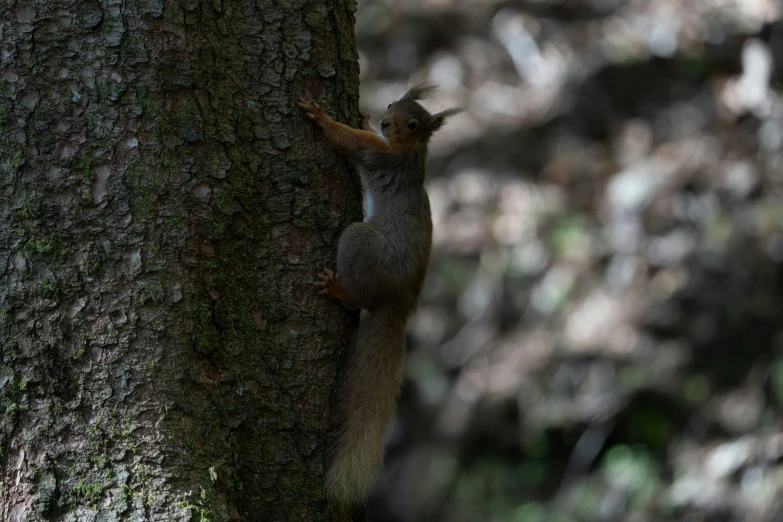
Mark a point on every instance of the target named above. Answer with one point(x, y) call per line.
point(381, 265)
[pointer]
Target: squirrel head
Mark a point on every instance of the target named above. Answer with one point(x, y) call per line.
point(408, 124)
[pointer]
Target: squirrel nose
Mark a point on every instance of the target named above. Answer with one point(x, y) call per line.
point(384, 124)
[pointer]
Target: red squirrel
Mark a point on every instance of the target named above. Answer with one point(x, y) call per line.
point(381, 265)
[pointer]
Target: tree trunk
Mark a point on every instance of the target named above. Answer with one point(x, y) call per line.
point(164, 209)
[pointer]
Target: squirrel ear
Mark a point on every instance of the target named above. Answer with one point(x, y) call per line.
point(439, 119)
point(420, 91)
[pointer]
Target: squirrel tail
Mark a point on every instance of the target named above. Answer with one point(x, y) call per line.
point(368, 402)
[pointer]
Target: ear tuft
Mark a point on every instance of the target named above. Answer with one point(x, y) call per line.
point(439, 119)
point(419, 92)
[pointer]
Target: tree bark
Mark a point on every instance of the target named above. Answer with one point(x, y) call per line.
point(164, 209)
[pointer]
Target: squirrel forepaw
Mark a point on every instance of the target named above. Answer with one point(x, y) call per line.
point(364, 122)
point(314, 111)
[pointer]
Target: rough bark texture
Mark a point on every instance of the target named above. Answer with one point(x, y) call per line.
point(164, 208)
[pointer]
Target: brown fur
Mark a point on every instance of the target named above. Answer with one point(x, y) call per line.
point(381, 267)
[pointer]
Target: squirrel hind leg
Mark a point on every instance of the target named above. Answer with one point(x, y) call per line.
point(363, 264)
point(330, 286)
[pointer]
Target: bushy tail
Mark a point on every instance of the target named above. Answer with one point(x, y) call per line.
point(368, 402)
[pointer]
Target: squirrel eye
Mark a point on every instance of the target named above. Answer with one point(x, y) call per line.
point(413, 124)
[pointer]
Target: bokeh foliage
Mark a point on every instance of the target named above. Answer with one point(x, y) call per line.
point(600, 336)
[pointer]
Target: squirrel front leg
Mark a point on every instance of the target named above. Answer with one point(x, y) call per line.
point(359, 145)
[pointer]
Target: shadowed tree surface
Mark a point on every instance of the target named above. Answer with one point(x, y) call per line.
point(163, 210)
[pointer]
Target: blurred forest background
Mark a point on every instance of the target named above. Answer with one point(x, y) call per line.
point(601, 333)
